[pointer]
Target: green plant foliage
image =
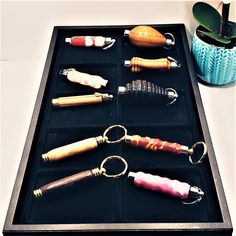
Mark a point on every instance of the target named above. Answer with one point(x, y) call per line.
point(217, 37)
point(207, 16)
point(232, 30)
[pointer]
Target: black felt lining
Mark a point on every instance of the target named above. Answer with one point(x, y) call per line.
point(101, 200)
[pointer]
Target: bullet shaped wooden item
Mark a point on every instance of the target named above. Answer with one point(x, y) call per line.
point(146, 36)
point(72, 149)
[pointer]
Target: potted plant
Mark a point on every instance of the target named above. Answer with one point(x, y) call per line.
point(214, 44)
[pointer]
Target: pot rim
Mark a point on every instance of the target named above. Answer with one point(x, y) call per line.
point(212, 45)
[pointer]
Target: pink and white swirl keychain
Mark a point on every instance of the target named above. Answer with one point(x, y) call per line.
point(171, 187)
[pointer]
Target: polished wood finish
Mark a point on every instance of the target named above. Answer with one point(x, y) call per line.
point(76, 100)
point(71, 149)
point(137, 64)
point(146, 36)
point(66, 181)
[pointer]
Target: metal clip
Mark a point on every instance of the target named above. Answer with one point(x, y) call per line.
point(174, 63)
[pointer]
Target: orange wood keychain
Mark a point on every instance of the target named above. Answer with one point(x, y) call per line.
point(146, 36)
point(137, 63)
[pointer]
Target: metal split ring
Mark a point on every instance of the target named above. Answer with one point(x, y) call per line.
point(113, 127)
point(173, 40)
point(203, 154)
point(112, 158)
point(175, 94)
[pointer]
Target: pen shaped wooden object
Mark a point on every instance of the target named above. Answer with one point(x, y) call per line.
point(82, 145)
point(84, 175)
point(81, 100)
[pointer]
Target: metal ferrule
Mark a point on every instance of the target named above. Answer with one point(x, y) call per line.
point(108, 40)
point(97, 172)
point(170, 42)
point(128, 138)
point(171, 94)
point(174, 65)
point(37, 193)
point(195, 192)
point(121, 90)
point(45, 157)
point(100, 139)
point(127, 63)
point(105, 96)
point(126, 32)
point(185, 149)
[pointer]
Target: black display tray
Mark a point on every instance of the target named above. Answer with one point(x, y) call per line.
point(115, 206)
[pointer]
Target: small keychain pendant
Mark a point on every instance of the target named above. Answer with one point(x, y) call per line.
point(81, 100)
point(137, 64)
point(155, 144)
point(142, 88)
point(86, 79)
point(91, 41)
point(148, 37)
point(82, 176)
point(173, 188)
point(81, 146)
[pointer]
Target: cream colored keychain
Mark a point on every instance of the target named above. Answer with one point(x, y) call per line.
point(94, 81)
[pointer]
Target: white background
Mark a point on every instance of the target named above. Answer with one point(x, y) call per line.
point(26, 29)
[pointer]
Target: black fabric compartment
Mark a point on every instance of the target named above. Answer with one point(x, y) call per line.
point(101, 200)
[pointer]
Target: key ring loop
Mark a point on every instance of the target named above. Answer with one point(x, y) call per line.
point(112, 158)
point(175, 95)
point(203, 154)
point(113, 127)
point(172, 43)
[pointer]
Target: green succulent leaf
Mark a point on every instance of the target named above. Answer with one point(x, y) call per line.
point(207, 16)
point(217, 37)
point(232, 30)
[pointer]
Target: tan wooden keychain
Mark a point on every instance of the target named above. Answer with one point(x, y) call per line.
point(82, 145)
point(81, 100)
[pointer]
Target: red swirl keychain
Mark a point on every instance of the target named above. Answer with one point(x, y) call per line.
point(156, 144)
point(174, 188)
point(147, 143)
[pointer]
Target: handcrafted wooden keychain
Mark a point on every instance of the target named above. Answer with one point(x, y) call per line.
point(137, 63)
point(81, 100)
point(146, 36)
point(155, 144)
point(171, 187)
point(141, 88)
point(91, 41)
point(86, 79)
point(82, 145)
point(75, 178)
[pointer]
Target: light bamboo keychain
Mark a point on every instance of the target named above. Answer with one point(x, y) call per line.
point(81, 146)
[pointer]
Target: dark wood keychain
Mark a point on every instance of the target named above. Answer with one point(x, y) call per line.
point(75, 178)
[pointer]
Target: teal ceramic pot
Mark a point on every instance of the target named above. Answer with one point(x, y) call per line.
point(216, 65)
